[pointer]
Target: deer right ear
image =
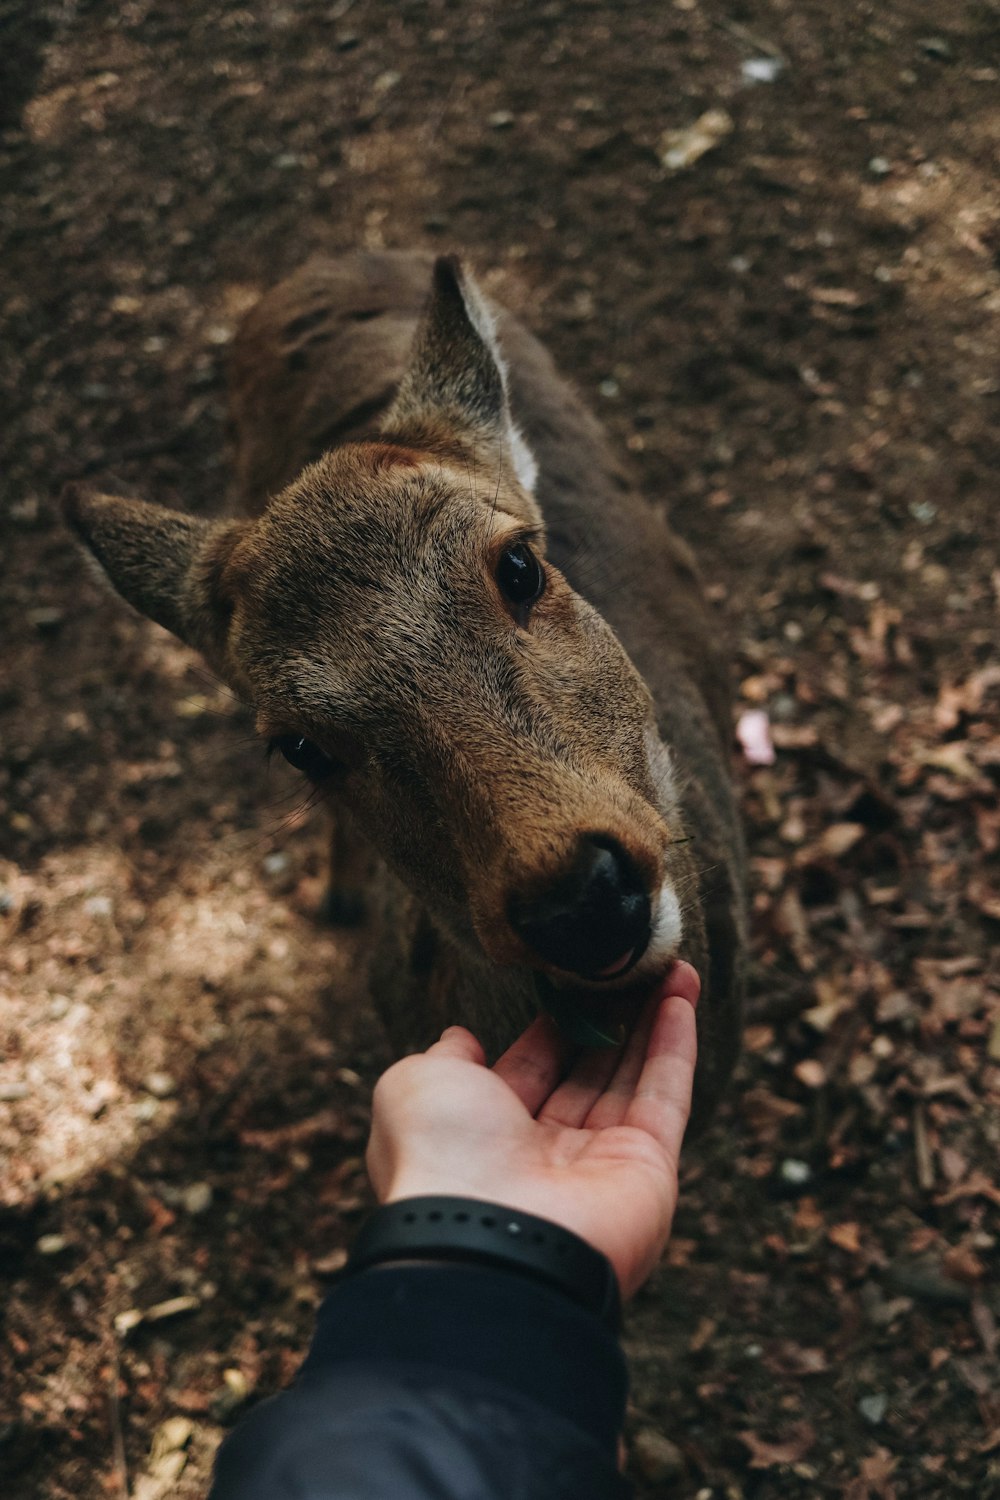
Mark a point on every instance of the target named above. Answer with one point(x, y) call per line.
point(456, 379)
point(170, 566)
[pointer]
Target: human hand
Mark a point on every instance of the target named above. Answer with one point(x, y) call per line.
point(594, 1149)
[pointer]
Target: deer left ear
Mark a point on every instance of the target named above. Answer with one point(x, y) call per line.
point(456, 379)
point(169, 565)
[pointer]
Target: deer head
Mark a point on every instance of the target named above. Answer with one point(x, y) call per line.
point(393, 622)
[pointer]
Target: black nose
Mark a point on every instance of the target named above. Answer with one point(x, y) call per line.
point(596, 913)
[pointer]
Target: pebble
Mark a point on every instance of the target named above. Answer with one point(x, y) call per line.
point(276, 864)
point(51, 1244)
point(880, 166)
point(656, 1457)
point(500, 119)
point(795, 1173)
point(761, 69)
point(197, 1198)
point(160, 1085)
point(10, 1093)
point(98, 906)
point(873, 1408)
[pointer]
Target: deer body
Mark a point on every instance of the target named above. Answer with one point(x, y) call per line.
point(427, 611)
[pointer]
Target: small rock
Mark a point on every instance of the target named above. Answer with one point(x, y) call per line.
point(329, 1265)
point(160, 1085)
point(500, 119)
point(880, 166)
point(58, 1007)
point(51, 1244)
point(656, 1457)
point(873, 1408)
point(145, 1110)
point(609, 388)
point(795, 1173)
point(10, 1093)
point(98, 906)
point(237, 1382)
point(197, 1198)
point(935, 46)
point(276, 864)
point(761, 69)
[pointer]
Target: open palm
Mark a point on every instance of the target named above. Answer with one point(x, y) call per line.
point(594, 1148)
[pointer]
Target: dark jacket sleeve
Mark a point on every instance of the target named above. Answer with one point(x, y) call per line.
point(439, 1382)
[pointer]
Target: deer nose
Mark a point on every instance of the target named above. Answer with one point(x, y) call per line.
point(594, 919)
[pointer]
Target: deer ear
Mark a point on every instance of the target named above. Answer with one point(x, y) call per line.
point(170, 566)
point(456, 377)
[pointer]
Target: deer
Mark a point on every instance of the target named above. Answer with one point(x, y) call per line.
point(449, 607)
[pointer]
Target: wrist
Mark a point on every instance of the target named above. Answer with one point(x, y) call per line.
point(447, 1228)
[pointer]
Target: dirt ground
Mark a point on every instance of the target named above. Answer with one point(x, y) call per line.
point(795, 336)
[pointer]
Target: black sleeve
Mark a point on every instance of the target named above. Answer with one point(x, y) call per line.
point(435, 1382)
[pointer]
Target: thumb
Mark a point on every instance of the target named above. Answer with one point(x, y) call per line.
point(456, 1042)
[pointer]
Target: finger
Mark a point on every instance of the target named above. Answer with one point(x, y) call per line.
point(534, 1064)
point(597, 1091)
point(455, 1041)
point(589, 1076)
point(661, 1103)
point(609, 1106)
point(683, 979)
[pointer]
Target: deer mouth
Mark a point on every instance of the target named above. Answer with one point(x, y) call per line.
point(592, 1016)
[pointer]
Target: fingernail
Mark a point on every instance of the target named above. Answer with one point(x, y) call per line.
point(684, 980)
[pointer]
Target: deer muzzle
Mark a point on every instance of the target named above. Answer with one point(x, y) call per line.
point(594, 919)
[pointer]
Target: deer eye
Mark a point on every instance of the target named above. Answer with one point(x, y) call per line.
point(304, 755)
point(519, 575)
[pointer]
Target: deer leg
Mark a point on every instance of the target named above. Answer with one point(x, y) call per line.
point(350, 871)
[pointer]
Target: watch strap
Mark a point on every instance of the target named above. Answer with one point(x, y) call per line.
point(443, 1228)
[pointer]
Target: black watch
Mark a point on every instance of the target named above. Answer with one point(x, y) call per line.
point(468, 1230)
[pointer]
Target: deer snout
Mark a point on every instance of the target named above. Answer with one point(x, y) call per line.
point(594, 919)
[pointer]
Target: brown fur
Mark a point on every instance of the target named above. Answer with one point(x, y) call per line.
point(358, 608)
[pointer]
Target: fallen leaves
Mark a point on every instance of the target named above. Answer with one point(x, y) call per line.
point(791, 1449)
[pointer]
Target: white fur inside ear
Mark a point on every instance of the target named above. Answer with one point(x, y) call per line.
point(525, 466)
point(483, 321)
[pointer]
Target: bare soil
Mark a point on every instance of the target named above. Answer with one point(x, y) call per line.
point(796, 339)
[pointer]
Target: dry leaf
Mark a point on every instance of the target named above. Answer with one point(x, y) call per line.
point(836, 840)
point(790, 1358)
point(811, 1072)
point(984, 897)
point(753, 730)
point(767, 1455)
point(846, 1236)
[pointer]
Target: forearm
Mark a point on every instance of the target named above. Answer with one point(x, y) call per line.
point(440, 1380)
